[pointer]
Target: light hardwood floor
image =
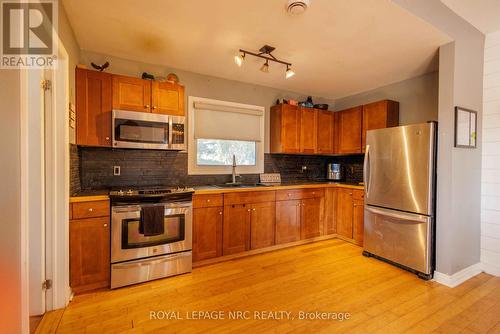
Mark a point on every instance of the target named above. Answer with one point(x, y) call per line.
point(328, 276)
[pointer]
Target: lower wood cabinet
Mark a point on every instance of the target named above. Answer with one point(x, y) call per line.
point(350, 214)
point(207, 232)
point(287, 221)
point(262, 225)
point(311, 218)
point(89, 250)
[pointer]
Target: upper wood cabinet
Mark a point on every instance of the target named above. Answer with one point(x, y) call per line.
point(349, 125)
point(131, 94)
point(168, 98)
point(326, 132)
point(93, 108)
point(308, 130)
point(285, 129)
point(136, 94)
point(379, 115)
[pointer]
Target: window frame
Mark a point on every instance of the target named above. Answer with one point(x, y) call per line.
point(195, 169)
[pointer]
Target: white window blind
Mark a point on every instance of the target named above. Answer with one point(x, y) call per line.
point(213, 121)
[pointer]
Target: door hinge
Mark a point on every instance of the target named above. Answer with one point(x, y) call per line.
point(45, 84)
point(47, 284)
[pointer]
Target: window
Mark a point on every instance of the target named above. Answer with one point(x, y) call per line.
point(218, 130)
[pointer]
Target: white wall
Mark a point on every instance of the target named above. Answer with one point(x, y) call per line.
point(490, 194)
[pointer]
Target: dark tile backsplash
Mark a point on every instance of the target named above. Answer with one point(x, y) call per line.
point(92, 169)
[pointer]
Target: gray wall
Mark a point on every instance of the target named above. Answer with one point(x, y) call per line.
point(459, 170)
point(202, 85)
point(417, 97)
point(10, 202)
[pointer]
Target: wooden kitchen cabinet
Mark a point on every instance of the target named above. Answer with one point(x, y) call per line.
point(131, 94)
point(262, 223)
point(207, 232)
point(308, 130)
point(350, 214)
point(287, 221)
point(236, 229)
point(167, 98)
point(311, 218)
point(379, 115)
point(330, 219)
point(349, 125)
point(135, 94)
point(93, 108)
point(358, 221)
point(325, 132)
point(89, 247)
point(285, 129)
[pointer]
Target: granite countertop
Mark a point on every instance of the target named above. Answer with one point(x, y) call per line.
point(95, 195)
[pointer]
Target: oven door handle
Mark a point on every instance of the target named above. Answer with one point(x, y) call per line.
point(149, 262)
point(168, 206)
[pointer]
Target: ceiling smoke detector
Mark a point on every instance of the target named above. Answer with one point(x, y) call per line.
point(297, 7)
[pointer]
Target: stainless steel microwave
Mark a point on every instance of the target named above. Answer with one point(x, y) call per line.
point(132, 129)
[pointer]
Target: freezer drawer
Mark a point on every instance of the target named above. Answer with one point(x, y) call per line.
point(143, 270)
point(400, 237)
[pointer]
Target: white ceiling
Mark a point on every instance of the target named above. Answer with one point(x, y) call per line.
point(337, 47)
point(482, 14)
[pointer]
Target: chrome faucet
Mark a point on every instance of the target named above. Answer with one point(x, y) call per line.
point(234, 170)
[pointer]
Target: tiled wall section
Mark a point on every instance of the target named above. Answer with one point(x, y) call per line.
point(146, 168)
point(490, 206)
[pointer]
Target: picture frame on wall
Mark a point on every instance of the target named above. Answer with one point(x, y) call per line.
point(465, 128)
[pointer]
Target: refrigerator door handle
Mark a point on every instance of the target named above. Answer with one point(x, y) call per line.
point(366, 171)
point(404, 216)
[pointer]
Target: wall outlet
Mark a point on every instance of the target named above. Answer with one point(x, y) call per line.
point(303, 169)
point(116, 170)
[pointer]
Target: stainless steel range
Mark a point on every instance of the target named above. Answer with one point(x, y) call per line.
point(136, 257)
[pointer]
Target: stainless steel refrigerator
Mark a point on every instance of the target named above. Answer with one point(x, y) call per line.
point(400, 178)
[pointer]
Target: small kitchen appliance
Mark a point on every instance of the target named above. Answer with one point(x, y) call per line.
point(334, 172)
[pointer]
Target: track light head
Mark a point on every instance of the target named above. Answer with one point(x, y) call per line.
point(265, 67)
point(289, 73)
point(238, 59)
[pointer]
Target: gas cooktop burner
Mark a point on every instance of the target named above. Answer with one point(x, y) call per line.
point(145, 193)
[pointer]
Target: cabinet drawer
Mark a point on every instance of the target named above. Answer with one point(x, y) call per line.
point(249, 197)
point(358, 195)
point(207, 201)
point(90, 209)
point(283, 195)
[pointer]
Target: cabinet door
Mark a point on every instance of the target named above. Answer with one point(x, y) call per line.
point(379, 115)
point(358, 222)
point(287, 221)
point(325, 132)
point(308, 130)
point(349, 130)
point(207, 233)
point(330, 225)
point(89, 253)
point(236, 229)
point(345, 213)
point(311, 218)
point(263, 223)
point(131, 94)
point(290, 129)
point(93, 108)
point(168, 98)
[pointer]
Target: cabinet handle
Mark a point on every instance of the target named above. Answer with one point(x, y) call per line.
point(220, 212)
point(105, 225)
point(107, 138)
point(154, 107)
point(146, 106)
point(208, 200)
point(253, 209)
point(91, 209)
point(248, 210)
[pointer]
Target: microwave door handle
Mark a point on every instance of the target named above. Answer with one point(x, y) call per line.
point(170, 131)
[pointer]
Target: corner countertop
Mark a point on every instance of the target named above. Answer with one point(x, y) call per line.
point(102, 195)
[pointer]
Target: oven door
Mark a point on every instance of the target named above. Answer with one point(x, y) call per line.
point(128, 244)
point(133, 129)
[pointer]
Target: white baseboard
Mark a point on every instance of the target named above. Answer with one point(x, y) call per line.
point(491, 268)
point(459, 277)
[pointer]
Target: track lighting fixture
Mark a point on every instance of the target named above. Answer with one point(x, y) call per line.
point(264, 53)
